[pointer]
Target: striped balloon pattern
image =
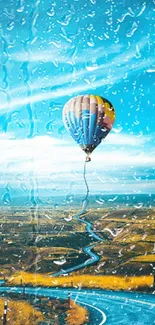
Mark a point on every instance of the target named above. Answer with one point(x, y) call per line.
point(88, 119)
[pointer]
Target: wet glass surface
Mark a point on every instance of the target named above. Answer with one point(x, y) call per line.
point(61, 225)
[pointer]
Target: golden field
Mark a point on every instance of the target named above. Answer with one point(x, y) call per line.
point(110, 282)
point(144, 258)
point(21, 312)
point(32, 311)
point(76, 315)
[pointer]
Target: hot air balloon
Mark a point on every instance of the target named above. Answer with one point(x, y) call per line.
point(88, 119)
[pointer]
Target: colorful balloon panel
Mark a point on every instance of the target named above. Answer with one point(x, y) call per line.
point(88, 119)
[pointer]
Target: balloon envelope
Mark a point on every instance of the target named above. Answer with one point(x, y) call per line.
point(88, 119)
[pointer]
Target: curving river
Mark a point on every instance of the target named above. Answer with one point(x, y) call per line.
point(88, 250)
point(123, 308)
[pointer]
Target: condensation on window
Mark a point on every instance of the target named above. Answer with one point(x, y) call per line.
point(77, 197)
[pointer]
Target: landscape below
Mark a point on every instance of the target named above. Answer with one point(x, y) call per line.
point(35, 243)
point(42, 310)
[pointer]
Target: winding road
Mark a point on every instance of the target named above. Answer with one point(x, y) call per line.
point(112, 308)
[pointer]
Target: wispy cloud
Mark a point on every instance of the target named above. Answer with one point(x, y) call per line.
point(58, 164)
point(116, 69)
point(17, 102)
point(45, 154)
point(63, 55)
point(125, 139)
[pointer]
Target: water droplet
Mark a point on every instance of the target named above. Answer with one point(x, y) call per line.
point(69, 40)
point(102, 179)
point(20, 9)
point(69, 218)
point(87, 81)
point(117, 29)
point(100, 265)
point(109, 22)
point(91, 67)
point(92, 14)
point(10, 26)
point(6, 198)
point(133, 29)
point(60, 262)
point(131, 11)
point(113, 199)
point(23, 187)
point(23, 21)
point(99, 202)
point(138, 206)
point(20, 124)
point(65, 20)
point(34, 39)
point(51, 12)
point(104, 129)
point(150, 70)
point(142, 9)
point(117, 130)
point(114, 232)
point(56, 44)
point(120, 253)
point(49, 127)
point(136, 122)
point(121, 19)
point(137, 55)
point(90, 27)
point(90, 42)
point(101, 38)
point(106, 36)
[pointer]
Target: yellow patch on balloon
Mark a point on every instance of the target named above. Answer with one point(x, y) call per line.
point(108, 111)
point(99, 100)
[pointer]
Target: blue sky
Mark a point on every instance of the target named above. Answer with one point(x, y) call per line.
point(51, 51)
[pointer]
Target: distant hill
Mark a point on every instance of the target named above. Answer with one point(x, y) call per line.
point(14, 198)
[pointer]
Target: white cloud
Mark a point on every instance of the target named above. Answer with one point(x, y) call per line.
point(6, 136)
point(124, 139)
point(57, 164)
point(45, 154)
